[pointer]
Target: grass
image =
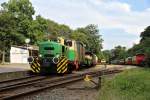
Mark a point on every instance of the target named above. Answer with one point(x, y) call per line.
point(133, 84)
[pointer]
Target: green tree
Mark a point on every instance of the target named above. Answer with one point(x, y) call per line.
point(64, 30)
point(22, 11)
point(119, 52)
point(137, 48)
point(38, 29)
point(143, 46)
point(58, 29)
point(93, 38)
point(79, 36)
point(8, 35)
point(146, 49)
point(106, 55)
point(15, 23)
point(145, 34)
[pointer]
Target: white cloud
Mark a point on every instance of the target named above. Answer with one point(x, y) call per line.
point(117, 6)
point(107, 14)
point(121, 16)
point(110, 6)
point(148, 9)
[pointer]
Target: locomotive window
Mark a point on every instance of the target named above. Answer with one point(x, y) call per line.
point(49, 48)
point(68, 43)
point(55, 40)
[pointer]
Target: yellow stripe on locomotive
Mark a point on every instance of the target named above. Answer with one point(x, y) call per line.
point(62, 65)
point(34, 64)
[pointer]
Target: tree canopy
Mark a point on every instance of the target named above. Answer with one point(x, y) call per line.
point(118, 53)
point(91, 37)
point(145, 34)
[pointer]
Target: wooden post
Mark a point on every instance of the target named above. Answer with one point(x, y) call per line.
point(3, 57)
point(99, 82)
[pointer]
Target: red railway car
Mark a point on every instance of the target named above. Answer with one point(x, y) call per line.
point(128, 61)
point(138, 59)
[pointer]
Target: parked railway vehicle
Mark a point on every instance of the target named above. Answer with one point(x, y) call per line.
point(115, 62)
point(77, 54)
point(122, 61)
point(128, 61)
point(61, 56)
point(138, 59)
point(94, 59)
point(90, 59)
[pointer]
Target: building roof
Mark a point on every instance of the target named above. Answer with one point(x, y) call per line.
point(30, 47)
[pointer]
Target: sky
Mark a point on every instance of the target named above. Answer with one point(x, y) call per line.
point(120, 21)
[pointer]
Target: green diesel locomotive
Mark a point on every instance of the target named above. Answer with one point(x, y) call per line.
point(61, 56)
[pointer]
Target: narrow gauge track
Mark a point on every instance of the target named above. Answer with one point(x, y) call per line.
point(16, 79)
point(14, 82)
point(37, 86)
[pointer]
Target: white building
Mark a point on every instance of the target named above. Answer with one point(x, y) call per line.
point(19, 54)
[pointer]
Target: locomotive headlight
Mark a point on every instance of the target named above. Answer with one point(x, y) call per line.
point(40, 55)
point(55, 60)
point(30, 59)
point(57, 56)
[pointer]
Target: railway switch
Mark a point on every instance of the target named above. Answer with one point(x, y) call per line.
point(88, 78)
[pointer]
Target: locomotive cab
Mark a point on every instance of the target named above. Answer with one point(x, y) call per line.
point(75, 54)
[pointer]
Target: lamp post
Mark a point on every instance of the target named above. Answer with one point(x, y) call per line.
point(27, 43)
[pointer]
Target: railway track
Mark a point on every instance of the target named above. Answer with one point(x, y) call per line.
point(16, 90)
point(17, 81)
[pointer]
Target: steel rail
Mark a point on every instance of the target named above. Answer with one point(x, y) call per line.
point(22, 83)
point(16, 79)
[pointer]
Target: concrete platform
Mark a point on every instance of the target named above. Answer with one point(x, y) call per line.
point(13, 71)
point(14, 67)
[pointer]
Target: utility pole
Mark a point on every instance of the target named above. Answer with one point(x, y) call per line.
point(3, 57)
point(27, 44)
